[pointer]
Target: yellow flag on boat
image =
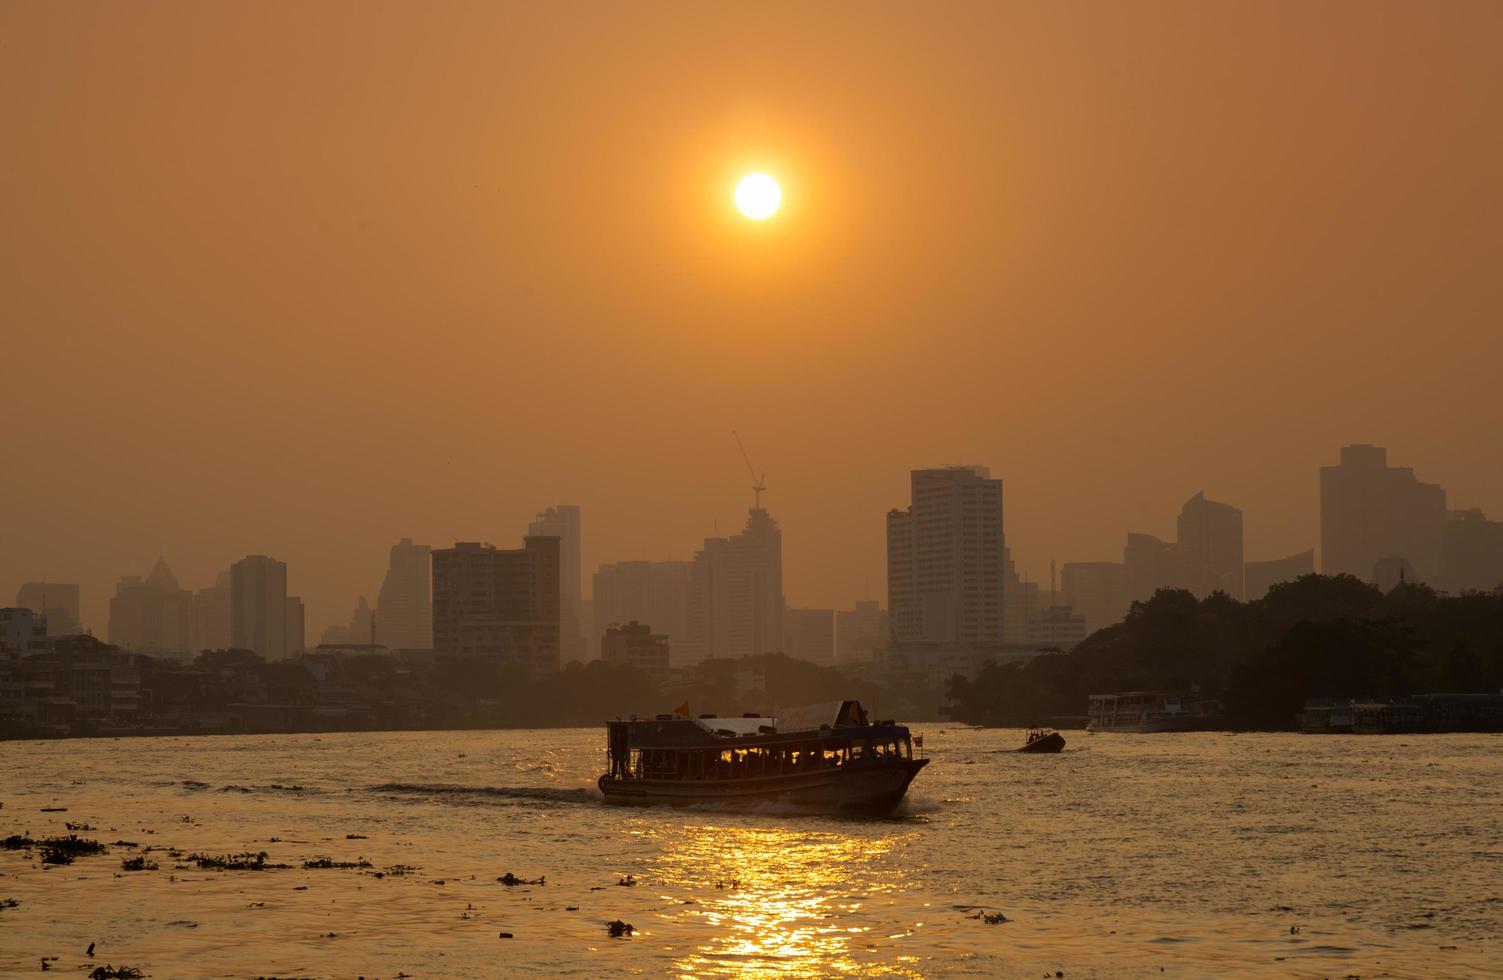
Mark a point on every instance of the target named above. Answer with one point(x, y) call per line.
point(682, 710)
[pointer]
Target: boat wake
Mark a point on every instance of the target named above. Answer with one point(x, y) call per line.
point(536, 794)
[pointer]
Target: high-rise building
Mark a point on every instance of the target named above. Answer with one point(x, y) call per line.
point(1096, 590)
point(1370, 510)
point(1260, 576)
point(655, 592)
point(152, 613)
point(293, 621)
point(809, 634)
point(1020, 602)
point(563, 522)
point(1057, 626)
point(258, 606)
point(1471, 553)
point(1209, 549)
point(1148, 564)
point(499, 605)
point(57, 602)
point(404, 606)
point(22, 633)
point(945, 556)
point(860, 632)
point(212, 615)
point(736, 594)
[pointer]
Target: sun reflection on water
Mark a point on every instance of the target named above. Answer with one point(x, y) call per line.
point(785, 902)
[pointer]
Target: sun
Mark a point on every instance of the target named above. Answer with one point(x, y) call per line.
point(758, 196)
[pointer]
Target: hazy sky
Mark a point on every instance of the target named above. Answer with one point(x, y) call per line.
point(304, 278)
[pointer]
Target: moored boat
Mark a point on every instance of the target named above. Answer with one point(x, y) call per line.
point(1043, 740)
point(1152, 711)
point(829, 758)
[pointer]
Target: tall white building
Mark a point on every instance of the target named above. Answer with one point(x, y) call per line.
point(258, 606)
point(736, 594)
point(945, 556)
point(404, 606)
point(563, 522)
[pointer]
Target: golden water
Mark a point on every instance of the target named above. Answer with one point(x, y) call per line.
point(1171, 855)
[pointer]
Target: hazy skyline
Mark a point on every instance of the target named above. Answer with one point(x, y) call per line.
point(302, 281)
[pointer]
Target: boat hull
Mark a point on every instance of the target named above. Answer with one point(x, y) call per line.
point(1052, 742)
point(870, 790)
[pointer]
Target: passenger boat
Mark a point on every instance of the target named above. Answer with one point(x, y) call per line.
point(1151, 711)
point(1043, 740)
point(829, 758)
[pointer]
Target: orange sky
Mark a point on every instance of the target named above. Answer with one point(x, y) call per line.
point(304, 278)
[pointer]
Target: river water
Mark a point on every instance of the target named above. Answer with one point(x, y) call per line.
point(1126, 855)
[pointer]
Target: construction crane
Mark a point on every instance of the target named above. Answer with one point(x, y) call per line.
point(758, 484)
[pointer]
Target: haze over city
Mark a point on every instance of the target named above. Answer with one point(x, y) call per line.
point(297, 282)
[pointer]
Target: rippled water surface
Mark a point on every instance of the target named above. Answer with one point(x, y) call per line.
point(1279, 855)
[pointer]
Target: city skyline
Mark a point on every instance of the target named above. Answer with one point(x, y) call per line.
point(331, 611)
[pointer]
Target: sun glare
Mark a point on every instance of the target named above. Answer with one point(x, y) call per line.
point(758, 196)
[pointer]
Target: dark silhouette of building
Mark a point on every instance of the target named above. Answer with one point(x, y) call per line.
point(1096, 590)
point(655, 592)
point(860, 632)
point(404, 606)
point(945, 555)
point(294, 620)
point(564, 521)
point(1471, 552)
point(1148, 564)
point(736, 594)
point(809, 634)
point(258, 606)
point(1260, 576)
point(499, 605)
point(634, 644)
point(1370, 510)
point(55, 601)
point(152, 613)
point(212, 615)
point(1209, 550)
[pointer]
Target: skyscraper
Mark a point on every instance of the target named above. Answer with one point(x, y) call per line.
point(499, 605)
point(1370, 510)
point(736, 594)
point(1148, 564)
point(1209, 549)
point(55, 601)
point(1096, 590)
point(293, 626)
point(1471, 553)
point(653, 592)
point(212, 615)
point(153, 613)
point(945, 556)
point(809, 634)
point(860, 632)
point(563, 521)
point(258, 606)
point(404, 607)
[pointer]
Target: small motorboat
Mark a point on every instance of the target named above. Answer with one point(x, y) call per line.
point(1043, 740)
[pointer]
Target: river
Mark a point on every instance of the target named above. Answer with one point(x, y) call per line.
point(1125, 855)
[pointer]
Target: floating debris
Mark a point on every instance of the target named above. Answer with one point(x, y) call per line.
point(246, 861)
point(54, 809)
point(8, 903)
point(16, 842)
point(77, 826)
point(355, 837)
point(108, 972)
point(321, 863)
point(90, 951)
point(571, 908)
point(126, 843)
point(62, 850)
point(510, 880)
point(138, 863)
point(617, 928)
point(628, 881)
point(503, 935)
